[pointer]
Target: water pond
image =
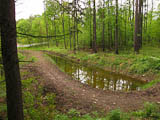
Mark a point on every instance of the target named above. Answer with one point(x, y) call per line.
point(96, 77)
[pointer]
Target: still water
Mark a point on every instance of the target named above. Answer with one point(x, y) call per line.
point(97, 78)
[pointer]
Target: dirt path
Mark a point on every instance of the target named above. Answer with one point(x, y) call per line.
point(72, 94)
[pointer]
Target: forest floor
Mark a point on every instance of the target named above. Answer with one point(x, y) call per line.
point(71, 94)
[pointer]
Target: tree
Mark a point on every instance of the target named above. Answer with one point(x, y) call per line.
point(103, 25)
point(62, 2)
point(74, 17)
point(10, 60)
point(94, 26)
point(116, 32)
point(136, 32)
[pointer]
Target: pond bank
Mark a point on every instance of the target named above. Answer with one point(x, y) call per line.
point(143, 68)
point(96, 77)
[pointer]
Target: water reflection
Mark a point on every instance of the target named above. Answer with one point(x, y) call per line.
point(96, 77)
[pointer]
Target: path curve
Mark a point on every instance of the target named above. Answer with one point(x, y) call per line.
point(73, 94)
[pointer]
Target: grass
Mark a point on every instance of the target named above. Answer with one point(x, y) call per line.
point(37, 105)
point(150, 84)
point(151, 111)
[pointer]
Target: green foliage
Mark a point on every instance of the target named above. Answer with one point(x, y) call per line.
point(33, 100)
point(144, 64)
point(33, 59)
point(21, 56)
point(3, 106)
point(115, 115)
point(118, 115)
point(151, 111)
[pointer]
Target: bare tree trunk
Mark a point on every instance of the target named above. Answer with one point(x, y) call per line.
point(46, 23)
point(103, 26)
point(70, 32)
point(55, 31)
point(77, 25)
point(133, 20)
point(136, 41)
point(109, 29)
point(94, 26)
point(10, 60)
point(90, 24)
point(125, 29)
point(74, 42)
point(63, 27)
point(140, 22)
point(116, 32)
point(129, 11)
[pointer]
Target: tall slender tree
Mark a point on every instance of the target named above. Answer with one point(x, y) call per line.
point(74, 17)
point(116, 32)
point(94, 27)
point(136, 32)
point(10, 60)
point(103, 26)
point(65, 46)
point(90, 23)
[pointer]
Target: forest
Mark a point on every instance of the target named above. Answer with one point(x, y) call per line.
point(99, 25)
point(81, 60)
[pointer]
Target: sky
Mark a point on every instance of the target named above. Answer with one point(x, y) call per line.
point(26, 8)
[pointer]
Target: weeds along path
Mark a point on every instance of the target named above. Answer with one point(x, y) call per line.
point(71, 94)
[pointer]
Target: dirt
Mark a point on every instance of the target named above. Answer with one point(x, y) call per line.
point(71, 94)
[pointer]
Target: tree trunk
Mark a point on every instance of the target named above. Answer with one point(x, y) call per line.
point(136, 34)
point(55, 31)
point(116, 32)
point(77, 25)
point(103, 27)
point(90, 24)
point(74, 41)
point(70, 32)
point(10, 60)
point(140, 22)
point(63, 27)
point(94, 26)
point(46, 23)
point(109, 29)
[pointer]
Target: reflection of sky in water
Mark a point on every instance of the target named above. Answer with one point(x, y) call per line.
point(97, 78)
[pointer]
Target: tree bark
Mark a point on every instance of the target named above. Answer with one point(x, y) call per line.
point(140, 22)
point(94, 26)
point(70, 32)
point(109, 28)
point(65, 46)
point(103, 26)
point(10, 60)
point(74, 15)
point(116, 32)
point(136, 32)
point(77, 25)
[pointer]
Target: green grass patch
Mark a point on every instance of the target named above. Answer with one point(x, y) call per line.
point(151, 111)
point(37, 105)
point(150, 84)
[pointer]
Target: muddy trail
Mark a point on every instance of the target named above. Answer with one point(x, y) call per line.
point(71, 94)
